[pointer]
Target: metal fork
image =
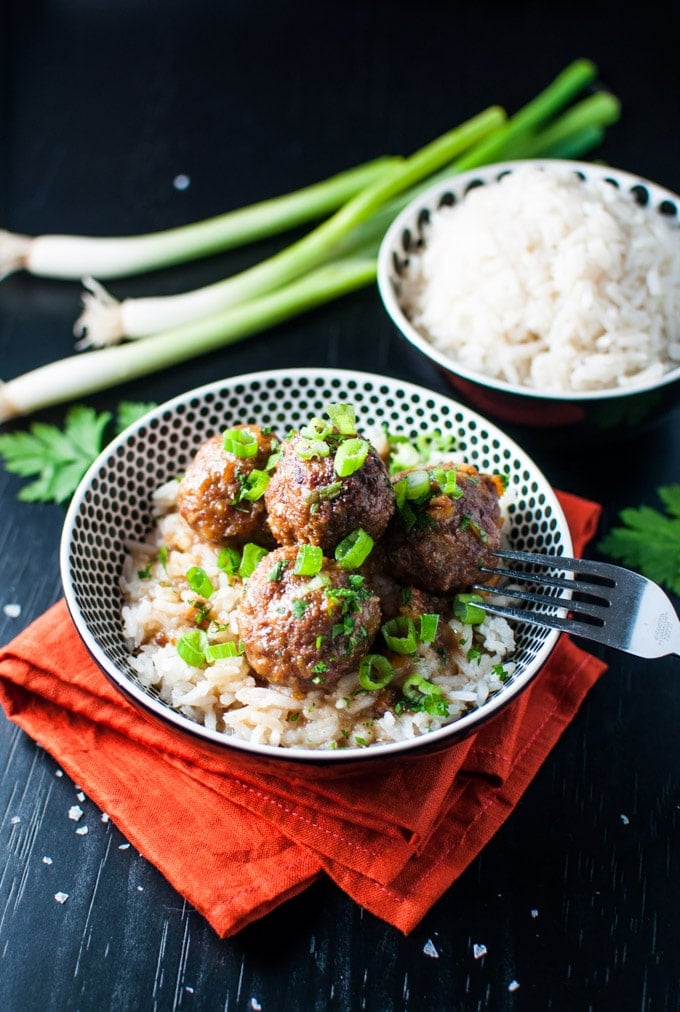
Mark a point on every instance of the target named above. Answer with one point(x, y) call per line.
point(602, 602)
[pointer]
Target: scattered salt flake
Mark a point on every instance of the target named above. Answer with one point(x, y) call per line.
point(513, 985)
point(255, 1005)
point(479, 950)
point(625, 820)
point(105, 817)
point(80, 796)
point(58, 773)
point(123, 846)
point(61, 897)
point(181, 182)
point(140, 889)
point(430, 950)
point(75, 813)
point(534, 912)
point(47, 860)
point(82, 831)
point(189, 989)
point(12, 610)
point(15, 820)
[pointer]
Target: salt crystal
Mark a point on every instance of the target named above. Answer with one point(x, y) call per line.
point(430, 950)
point(82, 831)
point(75, 812)
point(58, 773)
point(47, 860)
point(80, 796)
point(105, 817)
point(140, 889)
point(12, 610)
point(181, 182)
point(123, 846)
point(625, 820)
point(534, 913)
point(255, 1005)
point(513, 985)
point(479, 950)
point(61, 897)
point(15, 820)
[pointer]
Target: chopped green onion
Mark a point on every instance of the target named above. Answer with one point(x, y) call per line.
point(350, 456)
point(252, 556)
point(199, 581)
point(428, 627)
point(447, 481)
point(276, 572)
point(191, 647)
point(416, 681)
point(228, 560)
point(466, 608)
point(427, 696)
point(254, 485)
point(383, 669)
point(353, 550)
point(241, 442)
point(343, 417)
point(400, 635)
point(299, 606)
point(218, 651)
point(306, 449)
point(309, 560)
point(417, 484)
point(316, 428)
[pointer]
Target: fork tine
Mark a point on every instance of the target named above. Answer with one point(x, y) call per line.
point(599, 612)
point(602, 570)
point(560, 583)
point(546, 621)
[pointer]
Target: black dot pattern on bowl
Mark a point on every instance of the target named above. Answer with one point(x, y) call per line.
point(116, 505)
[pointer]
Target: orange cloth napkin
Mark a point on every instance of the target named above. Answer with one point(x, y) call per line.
point(236, 840)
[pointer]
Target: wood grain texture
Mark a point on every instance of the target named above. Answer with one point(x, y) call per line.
point(573, 904)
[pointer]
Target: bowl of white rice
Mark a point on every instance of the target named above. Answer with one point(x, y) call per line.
point(546, 291)
point(127, 555)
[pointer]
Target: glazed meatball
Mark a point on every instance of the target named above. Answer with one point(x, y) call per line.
point(309, 502)
point(302, 631)
point(214, 495)
point(437, 540)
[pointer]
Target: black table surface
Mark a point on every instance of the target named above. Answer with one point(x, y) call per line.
point(103, 106)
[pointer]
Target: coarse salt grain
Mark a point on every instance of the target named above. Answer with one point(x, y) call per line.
point(430, 950)
point(61, 897)
point(12, 610)
point(75, 813)
point(479, 950)
point(47, 860)
point(82, 831)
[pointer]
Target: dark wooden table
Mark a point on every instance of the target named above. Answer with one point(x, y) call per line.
point(102, 106)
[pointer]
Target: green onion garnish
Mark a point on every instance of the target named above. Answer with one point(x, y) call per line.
point(417, 484)
point(423, 695)
point(191, 647)
point(466, 608)
point(252, 555)
point(254, 485)
point(276, 572)
point(241, 442)
point(353, 550)
point(316, 428)
point(447, 482)
point(199, 581)
point(343, 418)
point(400, 635)
point(306, 449)
point(428, 627)
point(228, 560)
point(350, 456)
point(384, 672)
point(218, 651)
point(308, 561)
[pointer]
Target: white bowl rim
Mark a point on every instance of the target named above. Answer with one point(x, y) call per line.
point(413, 335)
point(455, 730)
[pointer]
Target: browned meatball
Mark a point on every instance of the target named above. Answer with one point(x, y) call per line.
point(308, 502)
point(213, 493)
point(302, 631)
point(437, 541)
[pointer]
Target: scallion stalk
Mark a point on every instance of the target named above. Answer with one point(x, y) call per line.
point(105, 320)
point(72, 257)
point(88, 372)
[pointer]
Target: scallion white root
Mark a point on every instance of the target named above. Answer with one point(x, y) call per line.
point(72, 257)
point(88, 372)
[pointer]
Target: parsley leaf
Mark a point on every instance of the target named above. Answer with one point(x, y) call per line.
point(58, 458)
point(649, 540)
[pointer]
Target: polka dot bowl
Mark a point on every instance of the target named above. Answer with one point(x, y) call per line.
point(113, 505)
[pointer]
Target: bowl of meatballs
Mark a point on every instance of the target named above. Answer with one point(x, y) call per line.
point(290, 566)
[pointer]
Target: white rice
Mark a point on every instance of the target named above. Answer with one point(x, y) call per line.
point(227, 697)
point(547, 281)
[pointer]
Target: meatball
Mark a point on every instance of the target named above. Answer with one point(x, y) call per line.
point(302, 631)
point(215, 497)
point(437, 540)
point(309, 502)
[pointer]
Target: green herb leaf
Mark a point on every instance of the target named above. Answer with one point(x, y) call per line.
point(648, 540)
point(58, 458)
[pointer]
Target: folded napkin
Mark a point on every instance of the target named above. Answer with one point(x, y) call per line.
point(236, 840)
